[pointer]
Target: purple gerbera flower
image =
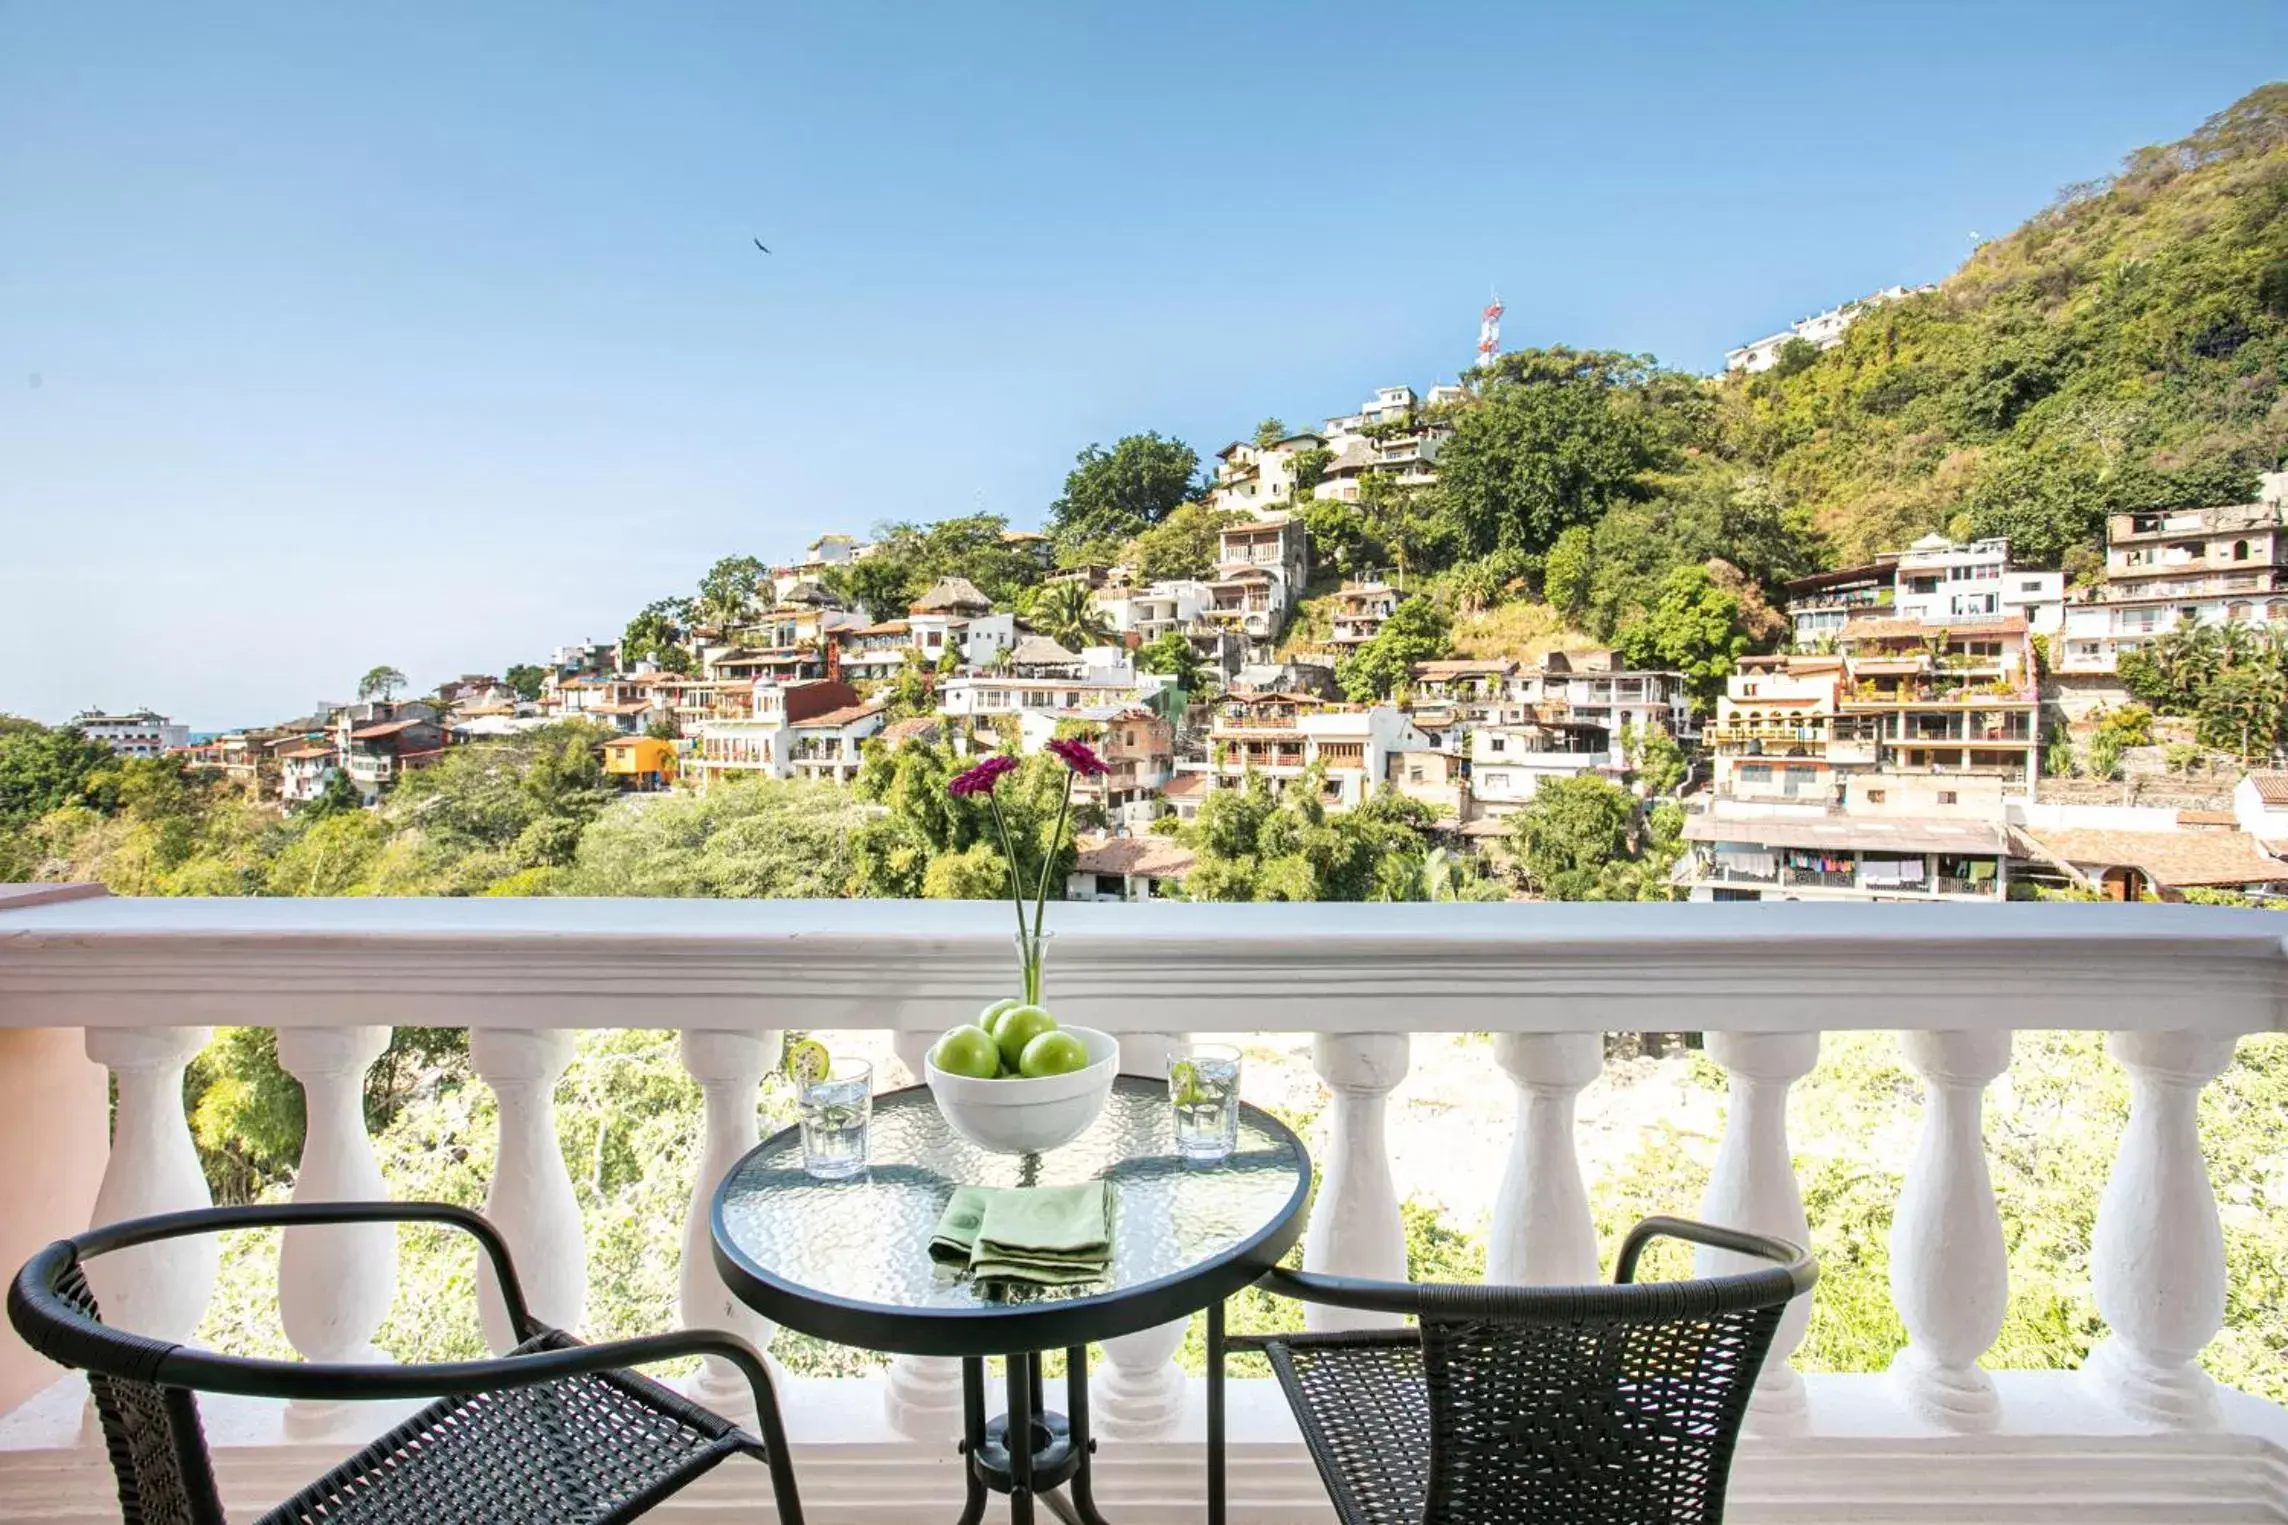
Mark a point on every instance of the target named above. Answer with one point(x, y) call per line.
point(1079, 758)
point(982, 778)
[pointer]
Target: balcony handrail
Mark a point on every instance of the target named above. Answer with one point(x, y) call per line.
point(1330, 968)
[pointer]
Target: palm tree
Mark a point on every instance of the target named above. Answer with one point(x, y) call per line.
point(1067, 615)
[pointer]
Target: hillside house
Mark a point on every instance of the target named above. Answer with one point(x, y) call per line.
point(1360, 610)
point(1249, 477)
point(1510, 762)
point(1126, 868)
point(829, 745)
point(640, 764)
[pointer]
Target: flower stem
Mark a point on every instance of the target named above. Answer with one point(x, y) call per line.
point(1049, 863)
point(1009, 851)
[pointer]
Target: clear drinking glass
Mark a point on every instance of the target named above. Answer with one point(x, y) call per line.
point(835, 1112)
point(1203, 1085)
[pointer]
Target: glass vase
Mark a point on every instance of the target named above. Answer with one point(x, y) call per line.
point(1032, 947)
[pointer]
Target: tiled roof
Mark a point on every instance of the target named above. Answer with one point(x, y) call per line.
point(834, 720)
point(1153, 857)
point(300, 754)
point(1185, 785)
point(914, 728)
point(2271, 788)
point(2167, 857)
point(386, 728)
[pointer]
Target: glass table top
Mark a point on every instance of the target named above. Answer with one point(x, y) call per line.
point(865, 1241)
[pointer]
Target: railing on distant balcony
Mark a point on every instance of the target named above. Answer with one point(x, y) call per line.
point(147, 978)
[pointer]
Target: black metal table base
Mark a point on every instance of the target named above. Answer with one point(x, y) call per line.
point(1057, 1456)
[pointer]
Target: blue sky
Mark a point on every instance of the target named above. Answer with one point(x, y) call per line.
point(433, 334)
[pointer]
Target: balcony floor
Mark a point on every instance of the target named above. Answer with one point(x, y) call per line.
point(2059, 1458)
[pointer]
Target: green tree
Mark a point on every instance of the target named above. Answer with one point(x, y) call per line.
point(1658, 762)
point(1565, 573)
point(43, 768)
point(1183, 545)
point(2241, 711)
point(527, 680)
point(1568, 834)
point(1170, 653)
point(1415, 632)
point(380, 683)
point(1309, 468)
point(1693, 629)
point(884, 583)
point(1269, 432)
point(1066, 613)
point(657, 634)
point(1112, 495)
point(735, 590)
point(1555, 438)
point(335, 796)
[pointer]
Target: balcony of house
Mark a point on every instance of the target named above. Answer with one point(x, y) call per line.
point(2139, 1434)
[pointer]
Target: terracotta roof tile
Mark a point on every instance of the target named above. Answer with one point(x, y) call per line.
point(2168, 857)
point(1155, 857)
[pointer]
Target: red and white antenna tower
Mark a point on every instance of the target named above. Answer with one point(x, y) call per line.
point(1489, 333)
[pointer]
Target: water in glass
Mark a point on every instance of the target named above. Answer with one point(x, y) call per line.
point(835, 1112)
point(1203, 1084)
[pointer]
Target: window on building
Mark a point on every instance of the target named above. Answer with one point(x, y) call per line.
point(2239, 613)
point(2240, 550)
point(1496, 744)
point(1875, 796)
point(1947, 797)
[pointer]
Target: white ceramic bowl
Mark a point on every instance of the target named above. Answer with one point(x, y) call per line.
point(1027, 1116)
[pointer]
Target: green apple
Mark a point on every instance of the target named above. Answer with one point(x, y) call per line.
point(992, 1014)
point(967, 1050)
point(1053, 1053)
point(1020, 1025)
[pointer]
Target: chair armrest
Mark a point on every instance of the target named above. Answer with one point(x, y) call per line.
point(1793, 1258)
point(1344, 1291)
point(215, 1220)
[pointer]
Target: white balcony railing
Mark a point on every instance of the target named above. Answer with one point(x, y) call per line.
point(2140, 1434)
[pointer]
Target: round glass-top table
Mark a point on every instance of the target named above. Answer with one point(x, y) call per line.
point(849, 1261)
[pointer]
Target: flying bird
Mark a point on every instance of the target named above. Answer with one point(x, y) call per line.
point(762, 246)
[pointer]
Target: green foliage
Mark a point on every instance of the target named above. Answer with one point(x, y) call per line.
point(1066, 613)
point(1309, 468)
point(2131, 725)
point(733, 591)
point(1254, 845)
point(1342, 537)
point(907, 558)
point(2242, 711)
point(761, 839)
point(926, 842)
point(1170, 653)
point(1694, 628)
point(2231, 678)
point(380, 683)
point(1415, 632)
point(1183, 545)
point(1565, 572)
point(1113, 495)
point(1569, 832)
point(526, 680)
point(2058, 759)
point(1557, 438)
point(1269, 432)
point(41, 769)
point(1655, 757)
point(2118, 352)
point(658, 634)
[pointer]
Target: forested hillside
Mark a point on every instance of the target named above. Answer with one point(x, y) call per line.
point(2123, 349)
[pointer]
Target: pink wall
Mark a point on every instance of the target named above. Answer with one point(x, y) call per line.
point(55, 1130)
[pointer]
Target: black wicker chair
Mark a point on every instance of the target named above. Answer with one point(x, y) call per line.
point(553, 1433)
point(1585, 1405)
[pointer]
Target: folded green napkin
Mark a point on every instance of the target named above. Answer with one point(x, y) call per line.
point(1051, 1236)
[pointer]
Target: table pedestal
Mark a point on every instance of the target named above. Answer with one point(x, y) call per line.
point(1058, 1454)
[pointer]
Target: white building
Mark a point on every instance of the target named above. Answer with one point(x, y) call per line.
point(1940, 582)
point(303, 771)
point(984, 695)
point(1822, 330)
point(828, 745)
point(1151, 612)
point(1509, 763)
point(1251, 477)
point(2226, 565)
point(141, 733)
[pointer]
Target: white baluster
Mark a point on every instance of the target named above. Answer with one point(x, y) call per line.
point(729, 1067)
point(335, 1283)
point(1355, 1227)
point(1753, 1187)
point(159, 1290)
point(531, 1200)
point(1950, 1276)
point(1138, 1393)
point(923, 1395)
point(1542, 1231)
point(2157, 1257)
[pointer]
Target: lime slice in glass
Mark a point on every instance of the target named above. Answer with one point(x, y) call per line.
point(808, 1061)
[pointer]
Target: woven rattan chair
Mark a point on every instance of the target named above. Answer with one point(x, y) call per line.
point(1588, 1405)
point(553, 1433)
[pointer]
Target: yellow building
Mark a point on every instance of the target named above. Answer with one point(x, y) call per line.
point(640, 763)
